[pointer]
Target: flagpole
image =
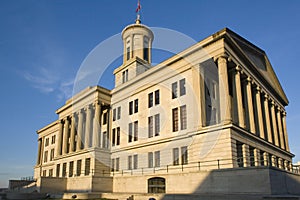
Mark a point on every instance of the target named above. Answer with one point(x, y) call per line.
point(138, 16)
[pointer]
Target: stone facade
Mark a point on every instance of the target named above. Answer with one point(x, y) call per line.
point(216, 105)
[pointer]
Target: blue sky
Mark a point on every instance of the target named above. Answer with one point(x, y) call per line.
point(44, 42)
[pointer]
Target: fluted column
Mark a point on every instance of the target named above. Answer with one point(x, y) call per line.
point(239, 98)
point(97, 125)
point(88, 126)
point(285, 131)
point(259, 113)
point(73, 130)
point(39, 151)
point(267, 118)
point(274, 124)
point(58, 150)
point(281, 136)
point(65, 136)
point(250, 105)
point(79, 131)
point(225, 103)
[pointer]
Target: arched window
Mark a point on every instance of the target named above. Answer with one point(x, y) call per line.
point(146, 49)
point(156, 185)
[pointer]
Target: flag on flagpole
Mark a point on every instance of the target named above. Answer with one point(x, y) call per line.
point(138, 6)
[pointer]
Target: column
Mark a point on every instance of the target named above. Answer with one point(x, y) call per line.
point(239, 99)
point(256, 157)
point(259, 113)
point(250, 105)
point(97, 125)
point(88, 120)
point(197, 89)
point(274, 124)
point(285, 131)
point(274, 163)
point(286, 165)
point(280, 132)
point(266, 159)
point(58, 150)
point(38, 161)
point(280, 163)
point(225, 103)
point(202, 96)
point(72, 137)
point(79, 131)
point(246, 155)
point(66, 136)
point(267, 118)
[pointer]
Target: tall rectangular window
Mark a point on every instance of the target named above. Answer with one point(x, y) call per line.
point(57, 170)
point(46, 156)
point(183, 117)
point(51, 154)
point(135, 161)
point(104, 118)
point(87, 166)
point(150, 100)
point(182, 87)
point(118, 136)
point(114, 114)
point(64, 170)
point(119, 113)
point(136, 130)
point(130, 107)
point(146, 54)
point(130, 132)
point(113, 137)
point(239, 151)
point(127, 53)
point(175, 156)
point(157, 124)
point(71, 168)
point(136, 106)
point(184, 155)
point(113, 165)
point(156, 94)
point(175, 119)
point(174, 90)
point(50, 172)
point(104, 140)
point(157, 158)
point(150, 126)
point(78, 169)
point(129, 162)
point(117, 164)
point(150, 159)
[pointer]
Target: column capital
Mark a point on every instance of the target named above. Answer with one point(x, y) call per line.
point(249, 79)
point(272, 103)
point(258, 88)
point(266, 97)
point(222, 57)
point(238, 68)
point(284, 113)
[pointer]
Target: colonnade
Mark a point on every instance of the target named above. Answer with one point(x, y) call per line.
point(249, 105)
point(80, 130)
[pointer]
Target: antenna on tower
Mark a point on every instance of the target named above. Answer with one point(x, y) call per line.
point(138, 16)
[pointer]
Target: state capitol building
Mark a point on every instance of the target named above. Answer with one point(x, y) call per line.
point(210, 119)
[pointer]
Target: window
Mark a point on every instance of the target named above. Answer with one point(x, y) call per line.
point(114, 114)
point(117, 164)
point(113, 165)
point(130, 132)
point(53, 139)
point(146, 49)
point(78, 169)
point(156, 185)
point(183, 117)
point(57, 170)
point(136, 130)
point(47, 142)
point(136, 106)
point(182, 87)
point(150, 126)
point(156, 97)
point(119, 113)
point(64, 170)
point(71, 168)
point(175, 119)
point(51, 154)
point(184, 155)
point(174, 90)
point(51, 172)
point(87, 166)
point(175, 156)
point(133, 106)
point(129, 162)
point(157, 124)
point(130, 107)
point(239, 150)
point(135, 161)
point(104, 140)
point(150, 100)
point(44, 173)
point(125, 76)
point(104, 118)
point(118, 136)
point(113, 137)
point(157, 158)
point(46, 156)
point(150, 159)
point(128, 53)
